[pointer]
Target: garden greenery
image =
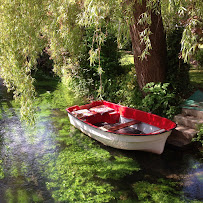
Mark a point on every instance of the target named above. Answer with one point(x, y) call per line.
point(20, 44)
point(160, 99)
point(177, 71)
point(199, 137)
point(59, 26)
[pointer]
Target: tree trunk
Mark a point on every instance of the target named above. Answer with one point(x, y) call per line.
point(153, 67)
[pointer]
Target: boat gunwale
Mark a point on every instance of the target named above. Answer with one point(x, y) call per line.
point(106, 103)
point(127, 134)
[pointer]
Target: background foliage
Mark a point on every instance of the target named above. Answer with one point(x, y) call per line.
point(69, 30)
point(20, 44)
point(178, 71)
point(160, 100)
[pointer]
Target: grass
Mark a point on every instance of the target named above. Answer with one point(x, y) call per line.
point(196, 75)
point(45, 82)
point(196, 78)
point(127, 59)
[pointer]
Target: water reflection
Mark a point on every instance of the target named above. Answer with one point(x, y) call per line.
point(54, 162)
point(20, 152)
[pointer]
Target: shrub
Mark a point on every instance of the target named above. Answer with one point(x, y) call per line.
point(128, 93)
point(199, 57)
point(86, 77)
point(178, 71)
point(160, 100)
point(199, 137)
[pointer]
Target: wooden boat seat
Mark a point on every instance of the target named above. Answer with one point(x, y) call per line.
point(101, 109)
point(83, 113)
point(123, 125)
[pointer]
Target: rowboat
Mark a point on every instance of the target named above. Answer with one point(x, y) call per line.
point(121, 127)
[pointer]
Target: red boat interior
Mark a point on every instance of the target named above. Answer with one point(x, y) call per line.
point(106, 115)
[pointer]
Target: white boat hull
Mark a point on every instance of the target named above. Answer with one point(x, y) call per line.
point(150, 143)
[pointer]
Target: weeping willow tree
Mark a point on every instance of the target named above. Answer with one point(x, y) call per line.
point(27, 27)
point(20, 43)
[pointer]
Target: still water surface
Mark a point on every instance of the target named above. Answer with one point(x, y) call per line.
point(54, 162)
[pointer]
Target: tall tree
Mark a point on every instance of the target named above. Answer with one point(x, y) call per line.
point(26, 27)
point(144, 23)
point(148, 43)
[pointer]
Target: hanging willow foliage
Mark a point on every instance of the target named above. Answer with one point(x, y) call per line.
point(27, 27)
point(20, 44)
point(188, 15)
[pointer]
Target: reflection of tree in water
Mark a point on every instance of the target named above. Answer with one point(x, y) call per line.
point(21, 177)
point(23, 180)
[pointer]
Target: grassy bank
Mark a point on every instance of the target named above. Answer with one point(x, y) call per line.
point(196, 75)
point(196, 78)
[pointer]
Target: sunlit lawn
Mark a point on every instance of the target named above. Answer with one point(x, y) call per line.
point(196, 76)
point(126, 59)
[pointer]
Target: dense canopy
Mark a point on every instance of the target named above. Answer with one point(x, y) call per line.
point(58, 26)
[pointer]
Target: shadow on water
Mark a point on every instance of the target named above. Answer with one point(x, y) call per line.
point(181, 172)
point(54, 162)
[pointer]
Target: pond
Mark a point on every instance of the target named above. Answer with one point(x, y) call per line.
point(54, 162)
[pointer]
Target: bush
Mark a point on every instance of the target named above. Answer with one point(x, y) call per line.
point(128, 93)
point(199, 137)
point(160, 100)
point(178, 71)
point(86, 78)
point(199, 57)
